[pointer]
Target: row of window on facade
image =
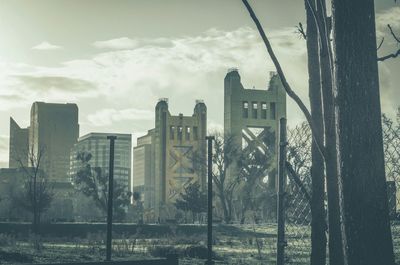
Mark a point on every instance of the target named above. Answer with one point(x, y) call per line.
point(183, 130)
point(263, 111)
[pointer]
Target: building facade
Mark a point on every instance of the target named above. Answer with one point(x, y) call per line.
point(53, 131)
point(252, 115)
point(98, 146)
point(19, 144)
point(163, 160)
point(143, 169)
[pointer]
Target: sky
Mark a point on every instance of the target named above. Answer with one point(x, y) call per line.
point(115, 59)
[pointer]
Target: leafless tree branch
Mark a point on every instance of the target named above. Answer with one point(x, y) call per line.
point(389, 56)
point(380, 44)
point(285, 84)
point(392, 55)
point(393, 34)
point(301, 31)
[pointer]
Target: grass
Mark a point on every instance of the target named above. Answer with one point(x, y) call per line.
point(235, 244)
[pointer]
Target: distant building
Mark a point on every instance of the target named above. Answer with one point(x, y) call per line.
point(19, 144)
point(249, 114)
point(143, 169)
point(54, 129)
point(98, 146)
point(163, 164)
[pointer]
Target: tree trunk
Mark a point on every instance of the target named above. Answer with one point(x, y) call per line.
point(335, 237)
point(364, 205)
point(224, 208)
point(318, 223)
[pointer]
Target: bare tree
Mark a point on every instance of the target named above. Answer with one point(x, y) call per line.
point(317, 22)
point(93, 182)
point(37, 192)
point(315, 64)
point(225, 155)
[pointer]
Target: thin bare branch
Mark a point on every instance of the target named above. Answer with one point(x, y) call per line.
point(301, 31)
point(392, 55)
point(389, 56)
point(393, 34)
point(380, 44)
point(285, 84)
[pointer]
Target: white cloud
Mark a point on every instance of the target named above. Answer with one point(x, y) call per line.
point(106, 117)
point(124, 81)
point(46, 46)
point(119, 43)
point(389, 16)
point(183, 69)
point(124, 43)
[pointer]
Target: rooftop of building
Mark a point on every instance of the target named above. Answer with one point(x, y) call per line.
point(234, 73)
point(97, 135)
point(54, 104)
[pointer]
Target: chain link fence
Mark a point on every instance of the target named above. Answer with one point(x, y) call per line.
point(391, 143)
point(298, 211)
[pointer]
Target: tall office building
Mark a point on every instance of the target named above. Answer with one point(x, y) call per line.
point(250, 115)
point(53, 131)
point(18, 149)
point(98, 146)
point(143, 169)
point(163, 164)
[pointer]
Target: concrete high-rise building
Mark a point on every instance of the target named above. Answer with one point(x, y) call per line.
point(19, 144)
point(163, 161)
point(54, 130)
point(251, 114)
point(98, 146)
point(143, 169)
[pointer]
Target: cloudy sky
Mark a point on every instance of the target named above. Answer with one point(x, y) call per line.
point(115, 59)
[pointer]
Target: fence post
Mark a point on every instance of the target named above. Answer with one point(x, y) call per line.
point(110, 198)
point(209, 200)
point(281, 243)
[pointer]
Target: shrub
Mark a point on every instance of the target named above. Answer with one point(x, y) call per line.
point(7, 240)
point(15, 257)
point(163, 251)
point(200, 252)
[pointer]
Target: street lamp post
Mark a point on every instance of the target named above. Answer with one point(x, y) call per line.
point(110, 198)
point(209, 200)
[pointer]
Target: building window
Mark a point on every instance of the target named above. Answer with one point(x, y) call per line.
point(180, 131)
point(172, 132)
point(187, 135)
point(245, 109)
point(195, 133)
point(254, 110)
point(273, 110)
point(263, 110)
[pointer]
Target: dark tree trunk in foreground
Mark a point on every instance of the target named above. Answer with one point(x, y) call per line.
point(318, 223)
point(366, 227)
point(335, 237)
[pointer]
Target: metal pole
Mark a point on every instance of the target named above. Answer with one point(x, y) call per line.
point(281, 243)
point(110, 197)
point(209, 200)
